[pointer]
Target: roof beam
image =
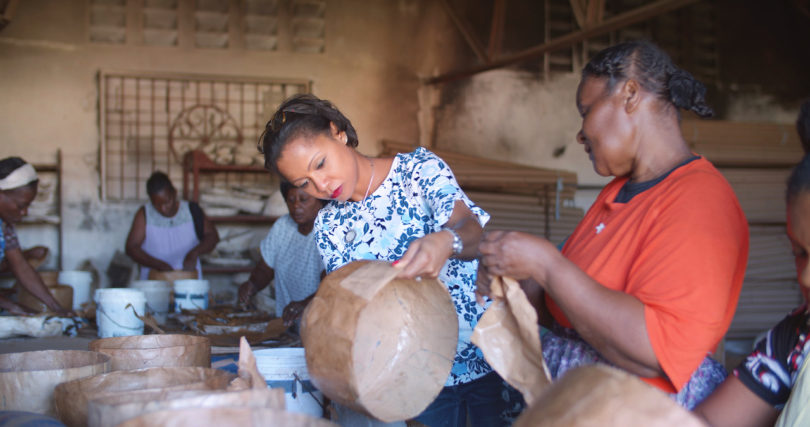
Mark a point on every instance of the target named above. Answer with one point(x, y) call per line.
point(8, 12)
point(588, 13)
point(613, 23)
point(579, 6)
point(466, 32)
point(496, 29)
point(594, 13)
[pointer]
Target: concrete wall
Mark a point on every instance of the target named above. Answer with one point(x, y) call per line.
point(376, 52)
point(516, 116)
point(374, 55)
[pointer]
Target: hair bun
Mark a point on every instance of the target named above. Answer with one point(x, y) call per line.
point(681, 89)
point(688, 93)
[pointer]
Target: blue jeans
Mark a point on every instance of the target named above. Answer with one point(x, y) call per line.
point(489, 400)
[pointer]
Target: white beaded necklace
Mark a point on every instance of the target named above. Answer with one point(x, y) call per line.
point(370, 180)
point(351, 234)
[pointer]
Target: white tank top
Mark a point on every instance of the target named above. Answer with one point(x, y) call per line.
point(169, 239)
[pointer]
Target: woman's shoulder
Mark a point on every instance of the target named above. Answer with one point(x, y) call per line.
point(420, 163)
point(793, 323)
point(701, 179)
point(418, 156)
point(327, 214)
point(283, 222)
point(788, 336)
point(699, 170)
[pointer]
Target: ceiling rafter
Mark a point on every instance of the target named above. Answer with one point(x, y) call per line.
point(588, 12)
point(594, 25)
point(7, 12)
point(466, 31)
point(496, 29)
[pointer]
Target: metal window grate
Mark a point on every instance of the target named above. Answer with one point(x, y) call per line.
point(149, 121)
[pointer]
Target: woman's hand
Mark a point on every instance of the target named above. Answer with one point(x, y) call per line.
point(259, 278)
point(293, 311)
point(62, 312)
point(426, 256)
point(247, 291)
point(162, 266)
point(482, 281)
point(14, 308)
point(516, 255)
point(190, 261)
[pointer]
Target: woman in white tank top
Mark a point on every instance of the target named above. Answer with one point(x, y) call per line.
point(165, 234)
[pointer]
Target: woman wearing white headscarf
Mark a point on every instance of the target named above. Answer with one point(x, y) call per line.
point(18, 187)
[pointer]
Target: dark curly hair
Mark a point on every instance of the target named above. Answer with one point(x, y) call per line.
point(158, 182)
point(9, 165)
point(301, 115)
point(799, 180)
point(286, 187)
point(652, 68)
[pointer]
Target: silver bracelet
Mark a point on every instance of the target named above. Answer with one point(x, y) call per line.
point(458, 244)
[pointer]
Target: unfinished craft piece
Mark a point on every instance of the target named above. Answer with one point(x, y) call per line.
point(226, 416)
point(599, 395)
point(27, 379)
point(248, 390)
point(380, 345)
point(151, 351)
point(71, 398)
point(509, 337)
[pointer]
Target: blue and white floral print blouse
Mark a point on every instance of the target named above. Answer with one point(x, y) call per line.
point(415, 199)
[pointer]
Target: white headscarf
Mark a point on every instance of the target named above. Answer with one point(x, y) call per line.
point(21, 176)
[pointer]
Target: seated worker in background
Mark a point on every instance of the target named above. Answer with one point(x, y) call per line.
point(18, 188)
point(289, 255)
point(169, 234)
point(650, 278)
point(760, 386)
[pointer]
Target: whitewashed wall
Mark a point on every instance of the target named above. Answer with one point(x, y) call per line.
point(375, 52)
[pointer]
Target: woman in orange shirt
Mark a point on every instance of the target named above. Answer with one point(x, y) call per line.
point(650, 278)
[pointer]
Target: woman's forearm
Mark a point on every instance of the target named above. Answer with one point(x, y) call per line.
point(261, 275)
point(30, 279)
point(612, 322)
point(464, 223)
point(141, 257)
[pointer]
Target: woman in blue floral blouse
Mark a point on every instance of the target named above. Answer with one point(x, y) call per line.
point(406, 209)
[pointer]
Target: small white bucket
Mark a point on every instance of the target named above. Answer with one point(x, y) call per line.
point(114, 312)
point(80, 281)
point(158, 293)
point(190, 294)
point(287, 368)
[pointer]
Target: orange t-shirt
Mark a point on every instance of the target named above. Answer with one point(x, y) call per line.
point(681, 248)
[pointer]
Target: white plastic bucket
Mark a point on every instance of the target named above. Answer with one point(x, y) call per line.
point(80, 281)
point(287, 368)
point(190, 294)
point(113, 316)
point(158, 293)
